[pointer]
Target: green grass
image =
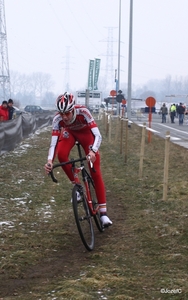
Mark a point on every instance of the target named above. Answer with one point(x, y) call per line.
point(145, 250)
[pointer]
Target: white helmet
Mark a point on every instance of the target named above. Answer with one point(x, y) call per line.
point(65, 102)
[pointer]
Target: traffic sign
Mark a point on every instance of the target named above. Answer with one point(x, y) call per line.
point(113, 93)
point(150, 101)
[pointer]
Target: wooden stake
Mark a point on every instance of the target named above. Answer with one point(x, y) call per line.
point(126, 139)
point(142, 150)
point(106, 124)
point(121, 137)
point(166, 165)
point(117, 129)
point(109, 128)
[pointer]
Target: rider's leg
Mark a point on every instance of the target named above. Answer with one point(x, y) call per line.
point(65, 144)
point(86, 140)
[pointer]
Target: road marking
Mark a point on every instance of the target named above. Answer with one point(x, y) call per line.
point(175, 138)
point(164, 126)
point(150, 129)
point(173, 128)
point(171, 137)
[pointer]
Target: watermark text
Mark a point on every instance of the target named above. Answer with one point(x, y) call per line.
point(171, 291)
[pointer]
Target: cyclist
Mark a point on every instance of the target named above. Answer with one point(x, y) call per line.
point(75, 123)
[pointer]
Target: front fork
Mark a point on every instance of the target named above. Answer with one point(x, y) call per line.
point(76, 171)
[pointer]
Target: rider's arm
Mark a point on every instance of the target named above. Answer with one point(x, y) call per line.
point(53, 144)
point(51, 154)
point(55, 136)
point(95, 131)
point(98, 139)
point(93, 127)
point(96, 144)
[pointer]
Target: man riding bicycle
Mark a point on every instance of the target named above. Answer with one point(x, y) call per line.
point(75, 123)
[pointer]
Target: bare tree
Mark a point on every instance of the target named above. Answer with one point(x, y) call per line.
point(41, 83)
point(32, 86)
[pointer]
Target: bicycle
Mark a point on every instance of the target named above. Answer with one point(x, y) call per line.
point(86, 207)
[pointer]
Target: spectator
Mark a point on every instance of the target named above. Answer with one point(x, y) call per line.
point(164, 112)
point(10, 109)
point(172, 112)
point(4, 114)
point(181, 112)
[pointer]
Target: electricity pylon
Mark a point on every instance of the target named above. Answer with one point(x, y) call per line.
point(4, 63)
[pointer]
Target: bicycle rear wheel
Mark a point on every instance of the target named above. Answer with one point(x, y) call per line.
point(83, 218)
point(95, 204)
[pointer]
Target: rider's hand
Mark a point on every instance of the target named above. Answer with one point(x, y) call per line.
point(48, 166)
point(91, 156)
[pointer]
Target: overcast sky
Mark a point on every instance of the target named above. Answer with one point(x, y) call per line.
point(39, 32)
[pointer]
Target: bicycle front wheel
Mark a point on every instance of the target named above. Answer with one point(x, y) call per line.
point(83, 217)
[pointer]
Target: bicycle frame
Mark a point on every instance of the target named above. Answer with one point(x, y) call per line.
point(85, 176)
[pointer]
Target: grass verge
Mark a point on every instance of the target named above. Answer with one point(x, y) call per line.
point(145, 250)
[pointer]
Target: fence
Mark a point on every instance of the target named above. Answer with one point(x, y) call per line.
point(122, 132)
point(12, 132)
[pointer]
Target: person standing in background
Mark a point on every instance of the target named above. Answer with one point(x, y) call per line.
point(172, 112)
point(4, 114)
point(10, 109)
point(164, 112)
point(181, 112)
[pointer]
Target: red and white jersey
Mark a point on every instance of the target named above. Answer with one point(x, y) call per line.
point(83, 121)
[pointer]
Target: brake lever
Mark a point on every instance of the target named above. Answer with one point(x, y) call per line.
point(52, 176)
point(91, 164)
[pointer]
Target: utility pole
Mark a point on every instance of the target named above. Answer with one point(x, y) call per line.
point(119, 46)
point(130, 62)
point(67, 85)
point(4, 64)
point(119, 55)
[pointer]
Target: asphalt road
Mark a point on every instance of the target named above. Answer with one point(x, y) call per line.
point(178, 133)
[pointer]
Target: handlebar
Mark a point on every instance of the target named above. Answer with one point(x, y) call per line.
point(72, 161)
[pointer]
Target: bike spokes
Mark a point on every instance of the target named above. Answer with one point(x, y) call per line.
point(83, 218)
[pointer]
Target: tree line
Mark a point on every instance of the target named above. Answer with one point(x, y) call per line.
point(37, 88)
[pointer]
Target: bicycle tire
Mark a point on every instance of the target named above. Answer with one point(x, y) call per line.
point(83, 218)
point(95, 204)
